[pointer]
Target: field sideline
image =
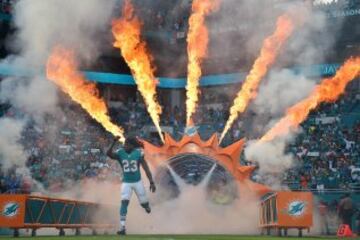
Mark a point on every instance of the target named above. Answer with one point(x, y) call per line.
point(170, 237)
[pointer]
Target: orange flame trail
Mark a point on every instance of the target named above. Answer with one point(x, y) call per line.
point(197, 40)
point(61, 69)
point(127, 34)
point(270, 49)
point(328, 90)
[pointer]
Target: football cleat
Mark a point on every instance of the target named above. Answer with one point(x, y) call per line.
point(148, 209)
point(122, 232)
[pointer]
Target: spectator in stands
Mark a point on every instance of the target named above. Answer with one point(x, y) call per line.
point(357, 221)
point(346, 210)
point(333, 207)
point(304, 180)
point(26, 185)
point(2, 186)
point(324, 216)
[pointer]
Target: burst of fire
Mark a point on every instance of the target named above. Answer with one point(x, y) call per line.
point(328, 90)
point(269, 51)
point(61, 69)
point(197, 42)
point(127, 34)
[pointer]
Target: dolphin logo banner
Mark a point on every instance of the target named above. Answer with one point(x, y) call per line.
point(11, 209)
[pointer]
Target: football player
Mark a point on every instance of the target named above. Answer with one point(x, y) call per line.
point(131, 156)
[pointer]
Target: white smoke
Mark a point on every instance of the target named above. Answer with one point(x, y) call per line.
point(281, 90)
point(269, 155)
point(35, 97)
point(313, 40)
point(11, 152)
point(272, 160)
point(193, 213)
point(41, 25)
point(92, 191)
point(324, 2)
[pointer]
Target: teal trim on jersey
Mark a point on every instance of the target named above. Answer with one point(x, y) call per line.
point(5, 17)
point(130, 163)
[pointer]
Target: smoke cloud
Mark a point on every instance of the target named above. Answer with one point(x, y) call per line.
point(41, 25)
point(269, 155)
point(314, 41)
point(281, 90)
point(11, 152)
point(35, 97)
point(272, 160)
point(193, 213)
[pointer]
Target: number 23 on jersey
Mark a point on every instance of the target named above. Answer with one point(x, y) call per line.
point(130, 165)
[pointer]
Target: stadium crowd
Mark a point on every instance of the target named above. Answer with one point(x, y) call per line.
point(328, 148)
point(164, 15)
point(6, 6)
point(62, 149)
point(70, 146)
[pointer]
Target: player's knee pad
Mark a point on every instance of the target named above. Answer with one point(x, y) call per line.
point(124, 207)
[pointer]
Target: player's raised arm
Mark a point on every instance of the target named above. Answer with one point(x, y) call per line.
point(148, 174)
point(110, 152)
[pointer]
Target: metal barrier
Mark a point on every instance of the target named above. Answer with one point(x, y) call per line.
point(20, 211)
point(353, 188)
point(15, 191)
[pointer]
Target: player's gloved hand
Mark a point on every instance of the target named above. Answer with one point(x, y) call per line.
point(152, 187)
point(116, 138)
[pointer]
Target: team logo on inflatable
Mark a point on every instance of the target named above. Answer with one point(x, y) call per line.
point(11, 209)
point(296, 208)
point(191, 131)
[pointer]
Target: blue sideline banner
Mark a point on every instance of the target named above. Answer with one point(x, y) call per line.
point(314, 71)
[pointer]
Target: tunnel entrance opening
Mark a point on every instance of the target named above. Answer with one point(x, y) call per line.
point(197, 170)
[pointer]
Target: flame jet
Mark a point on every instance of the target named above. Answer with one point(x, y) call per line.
point(328, 90)
point(127, 34)
point(271, 47)
point(197, 43)
point(61, 69)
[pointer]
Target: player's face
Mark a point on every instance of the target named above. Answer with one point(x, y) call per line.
point(128, 147)
point(131, 144)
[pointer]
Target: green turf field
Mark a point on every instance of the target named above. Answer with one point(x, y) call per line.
point(171, 237)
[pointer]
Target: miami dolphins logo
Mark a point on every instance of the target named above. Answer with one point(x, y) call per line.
point(191, 131)
point(296, 208)
point(11, 209)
